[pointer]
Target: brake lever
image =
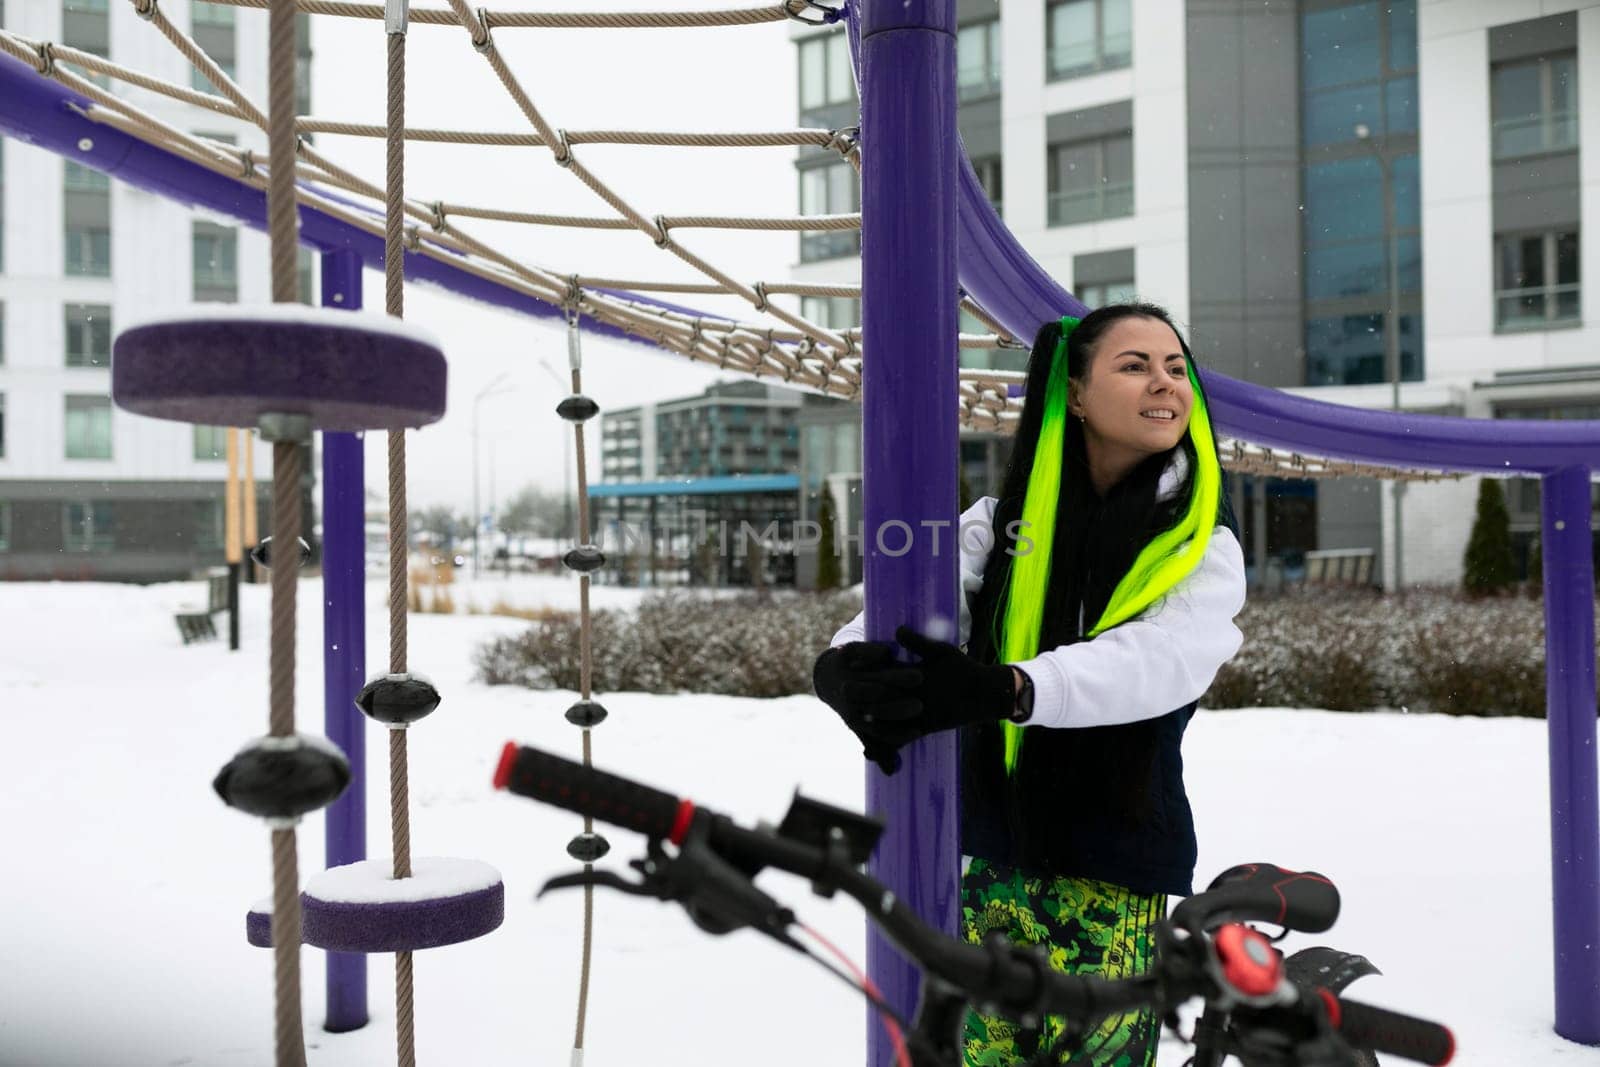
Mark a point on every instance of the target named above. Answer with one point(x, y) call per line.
point(606, 880)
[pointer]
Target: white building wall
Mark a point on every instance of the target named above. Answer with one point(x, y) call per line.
point(151, 268)
point(1457, 212)
point(1156, 84)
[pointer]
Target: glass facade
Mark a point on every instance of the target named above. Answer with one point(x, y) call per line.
point(1361, 214)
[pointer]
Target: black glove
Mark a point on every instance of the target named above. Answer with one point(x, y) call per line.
point(870, 689)
point(953, 690)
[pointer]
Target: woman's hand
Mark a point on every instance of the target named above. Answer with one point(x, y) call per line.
point(870, 690)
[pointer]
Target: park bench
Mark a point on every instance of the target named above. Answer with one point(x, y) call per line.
point(1352, 567)
point(198, 625)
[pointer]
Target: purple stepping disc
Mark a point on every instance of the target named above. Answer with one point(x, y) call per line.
point(229, 365)
point(359, 908)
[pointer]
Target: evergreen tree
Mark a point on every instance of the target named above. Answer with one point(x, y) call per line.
point(827, 554)
point(1489, 566)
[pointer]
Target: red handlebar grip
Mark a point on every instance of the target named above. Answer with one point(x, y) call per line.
point(531, 773)
point(1381, 1030)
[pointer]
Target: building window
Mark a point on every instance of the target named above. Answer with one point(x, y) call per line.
point(1085, 36)
point(1536, 281)
point(831, 312)
point(302, 65)
point(1091, 179)
point(86, 207)
point(216, 263)
point(827, 81)
point(207, 525)
point(1535, 106)
point(210, 442)
point(988, 170)
point(88, 330)
point(5, 526)
point(1102, 293)
point(212, 27)
point(305, 266)
point(1348, 350)
point(829, 190)
point(88, 427)
point(978, 60)
point(86, 26)
point(88, 527)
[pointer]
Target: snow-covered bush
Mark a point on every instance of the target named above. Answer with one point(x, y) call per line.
point(1430, 650)
point(1436, 651)
point(759, 646)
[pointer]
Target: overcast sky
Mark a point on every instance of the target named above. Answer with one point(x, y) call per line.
point(724, 79)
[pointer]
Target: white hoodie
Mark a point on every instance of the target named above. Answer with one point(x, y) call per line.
point(1152, 664)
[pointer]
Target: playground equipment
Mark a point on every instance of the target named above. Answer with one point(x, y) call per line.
point(915, 182)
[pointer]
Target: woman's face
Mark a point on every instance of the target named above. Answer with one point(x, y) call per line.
point(1136, 397)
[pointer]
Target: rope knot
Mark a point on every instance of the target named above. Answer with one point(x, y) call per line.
point(484, 44)
point(761, 295)
point(573, 298)
point(810, 13)
point(411, 238)
point(847, 142)
point(247, 164)
point(47, 58)
point(145, 9)
point(664, 238)
point(563, 157)
point(438, 222)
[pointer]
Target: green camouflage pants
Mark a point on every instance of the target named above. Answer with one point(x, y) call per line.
point(1086, 927)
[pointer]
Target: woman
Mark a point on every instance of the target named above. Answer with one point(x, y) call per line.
point(1094, 629)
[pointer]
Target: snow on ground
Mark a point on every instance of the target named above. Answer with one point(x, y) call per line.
point(123, 943)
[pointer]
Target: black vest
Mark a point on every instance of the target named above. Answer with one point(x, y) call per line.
point(1102, 802)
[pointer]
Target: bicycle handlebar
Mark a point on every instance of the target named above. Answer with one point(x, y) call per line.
point(1015, 980)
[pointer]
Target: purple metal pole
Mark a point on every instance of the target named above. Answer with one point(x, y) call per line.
point(344, 655)
point(909, 432)
point(1570, 709)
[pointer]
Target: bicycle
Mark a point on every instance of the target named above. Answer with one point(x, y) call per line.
point(1258, 1007)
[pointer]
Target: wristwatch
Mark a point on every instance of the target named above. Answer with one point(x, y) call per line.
point(1023, 709)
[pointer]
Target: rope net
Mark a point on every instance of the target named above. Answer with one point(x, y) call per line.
point(769, 341)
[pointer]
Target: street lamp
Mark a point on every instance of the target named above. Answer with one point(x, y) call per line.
point(1391, 328)
point(477, 514)
point(565, 385)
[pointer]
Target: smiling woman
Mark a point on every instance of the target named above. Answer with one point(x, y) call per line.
point(1103, 621)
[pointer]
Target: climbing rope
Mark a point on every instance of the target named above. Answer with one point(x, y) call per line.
point(394, 242)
